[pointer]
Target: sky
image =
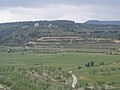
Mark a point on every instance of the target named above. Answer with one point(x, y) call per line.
point(75, 10)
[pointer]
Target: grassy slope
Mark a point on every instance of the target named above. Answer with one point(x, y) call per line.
point(70, 61)
point(65, 59)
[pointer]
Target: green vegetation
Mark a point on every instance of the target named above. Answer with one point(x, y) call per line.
point(28, 70)
point(65, 59)
point(20, 33)
point(45, 55)
point(33, 78)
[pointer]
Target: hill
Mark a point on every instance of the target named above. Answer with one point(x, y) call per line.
point(19, 33)
point(97, 22)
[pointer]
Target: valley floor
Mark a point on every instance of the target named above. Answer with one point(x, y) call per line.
point(50, 70)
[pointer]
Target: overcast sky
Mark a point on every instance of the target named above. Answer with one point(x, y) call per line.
point(76, 10)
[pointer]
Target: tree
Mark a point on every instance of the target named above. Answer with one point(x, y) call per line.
point(92, 63)
point(79, 67)
point(87, 65)
point(102, 63)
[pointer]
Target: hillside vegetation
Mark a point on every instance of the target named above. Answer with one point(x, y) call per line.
point(60, 55)
point(19, 33)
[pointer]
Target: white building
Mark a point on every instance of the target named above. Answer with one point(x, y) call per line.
point(36, 24)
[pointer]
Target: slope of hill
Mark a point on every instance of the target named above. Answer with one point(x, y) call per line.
point(97, 22)
point(18, 33)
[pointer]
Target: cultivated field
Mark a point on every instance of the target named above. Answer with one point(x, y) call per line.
point(105, 69)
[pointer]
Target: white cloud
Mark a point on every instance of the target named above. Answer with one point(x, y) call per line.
point(60, 11)
point(46, 13)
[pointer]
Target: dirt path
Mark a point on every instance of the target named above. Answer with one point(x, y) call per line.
point(74, 81)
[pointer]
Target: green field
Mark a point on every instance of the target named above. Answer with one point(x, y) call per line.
point(66, 60)
point(109, 73)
